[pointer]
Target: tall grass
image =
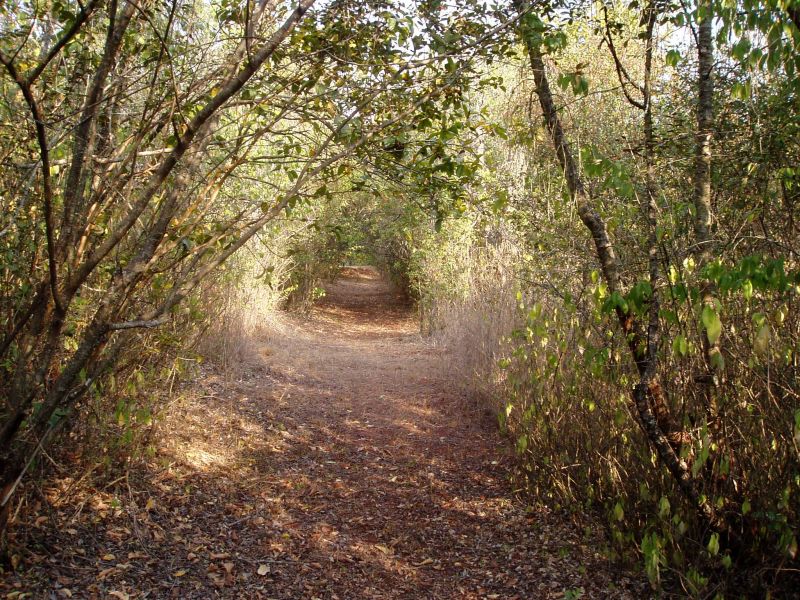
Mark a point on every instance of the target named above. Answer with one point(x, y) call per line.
point(475, 326)
point(241, 310)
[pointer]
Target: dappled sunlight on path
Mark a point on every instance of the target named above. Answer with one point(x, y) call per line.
point(341, 464)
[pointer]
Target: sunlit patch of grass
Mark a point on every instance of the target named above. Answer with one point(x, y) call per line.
point(202, 460)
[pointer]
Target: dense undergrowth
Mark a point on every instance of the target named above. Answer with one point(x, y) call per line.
point(533, 327)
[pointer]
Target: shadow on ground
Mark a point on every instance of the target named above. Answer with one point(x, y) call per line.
point(341, 465)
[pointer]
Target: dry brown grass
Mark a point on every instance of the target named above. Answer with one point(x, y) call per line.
point(241, 316)
point(474, 328)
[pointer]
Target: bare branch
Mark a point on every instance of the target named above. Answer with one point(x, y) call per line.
point(148, 324)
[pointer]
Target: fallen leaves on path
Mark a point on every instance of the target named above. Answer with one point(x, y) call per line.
point(342, 466)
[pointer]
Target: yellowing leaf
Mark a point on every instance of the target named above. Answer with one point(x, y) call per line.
point(713, 544)
point(712, 324)
point(180, 573)
point(263, 570)
point(761, 341)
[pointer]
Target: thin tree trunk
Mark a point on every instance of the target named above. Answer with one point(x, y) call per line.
point(705, 121)
point(704, 249)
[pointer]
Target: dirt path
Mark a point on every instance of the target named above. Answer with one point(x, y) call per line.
point(341, 465)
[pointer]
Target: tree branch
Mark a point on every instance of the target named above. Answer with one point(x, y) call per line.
point(82, 17)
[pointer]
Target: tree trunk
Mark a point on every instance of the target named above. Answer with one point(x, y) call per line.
point(705, 121)
point(704, 248)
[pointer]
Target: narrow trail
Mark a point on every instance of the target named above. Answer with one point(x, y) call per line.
point(341, 464)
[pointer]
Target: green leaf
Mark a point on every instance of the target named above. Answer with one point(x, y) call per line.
point(580, 85)
point(663, 507)
point(740, 49)
point(713, 544)
point(619, 513)
point(500, 201)
point(712, 324)
point(672, 58)
point(740, 91)
point(680, 346)
point(716, 358)
point(58, 415)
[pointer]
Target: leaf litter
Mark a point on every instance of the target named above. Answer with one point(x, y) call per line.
point(342, 464)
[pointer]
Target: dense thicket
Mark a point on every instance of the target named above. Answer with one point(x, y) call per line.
point(595, 203)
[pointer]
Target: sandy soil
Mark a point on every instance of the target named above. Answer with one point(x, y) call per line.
point(341, 464)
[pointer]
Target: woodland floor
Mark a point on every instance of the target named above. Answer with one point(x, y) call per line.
point(340, 463)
